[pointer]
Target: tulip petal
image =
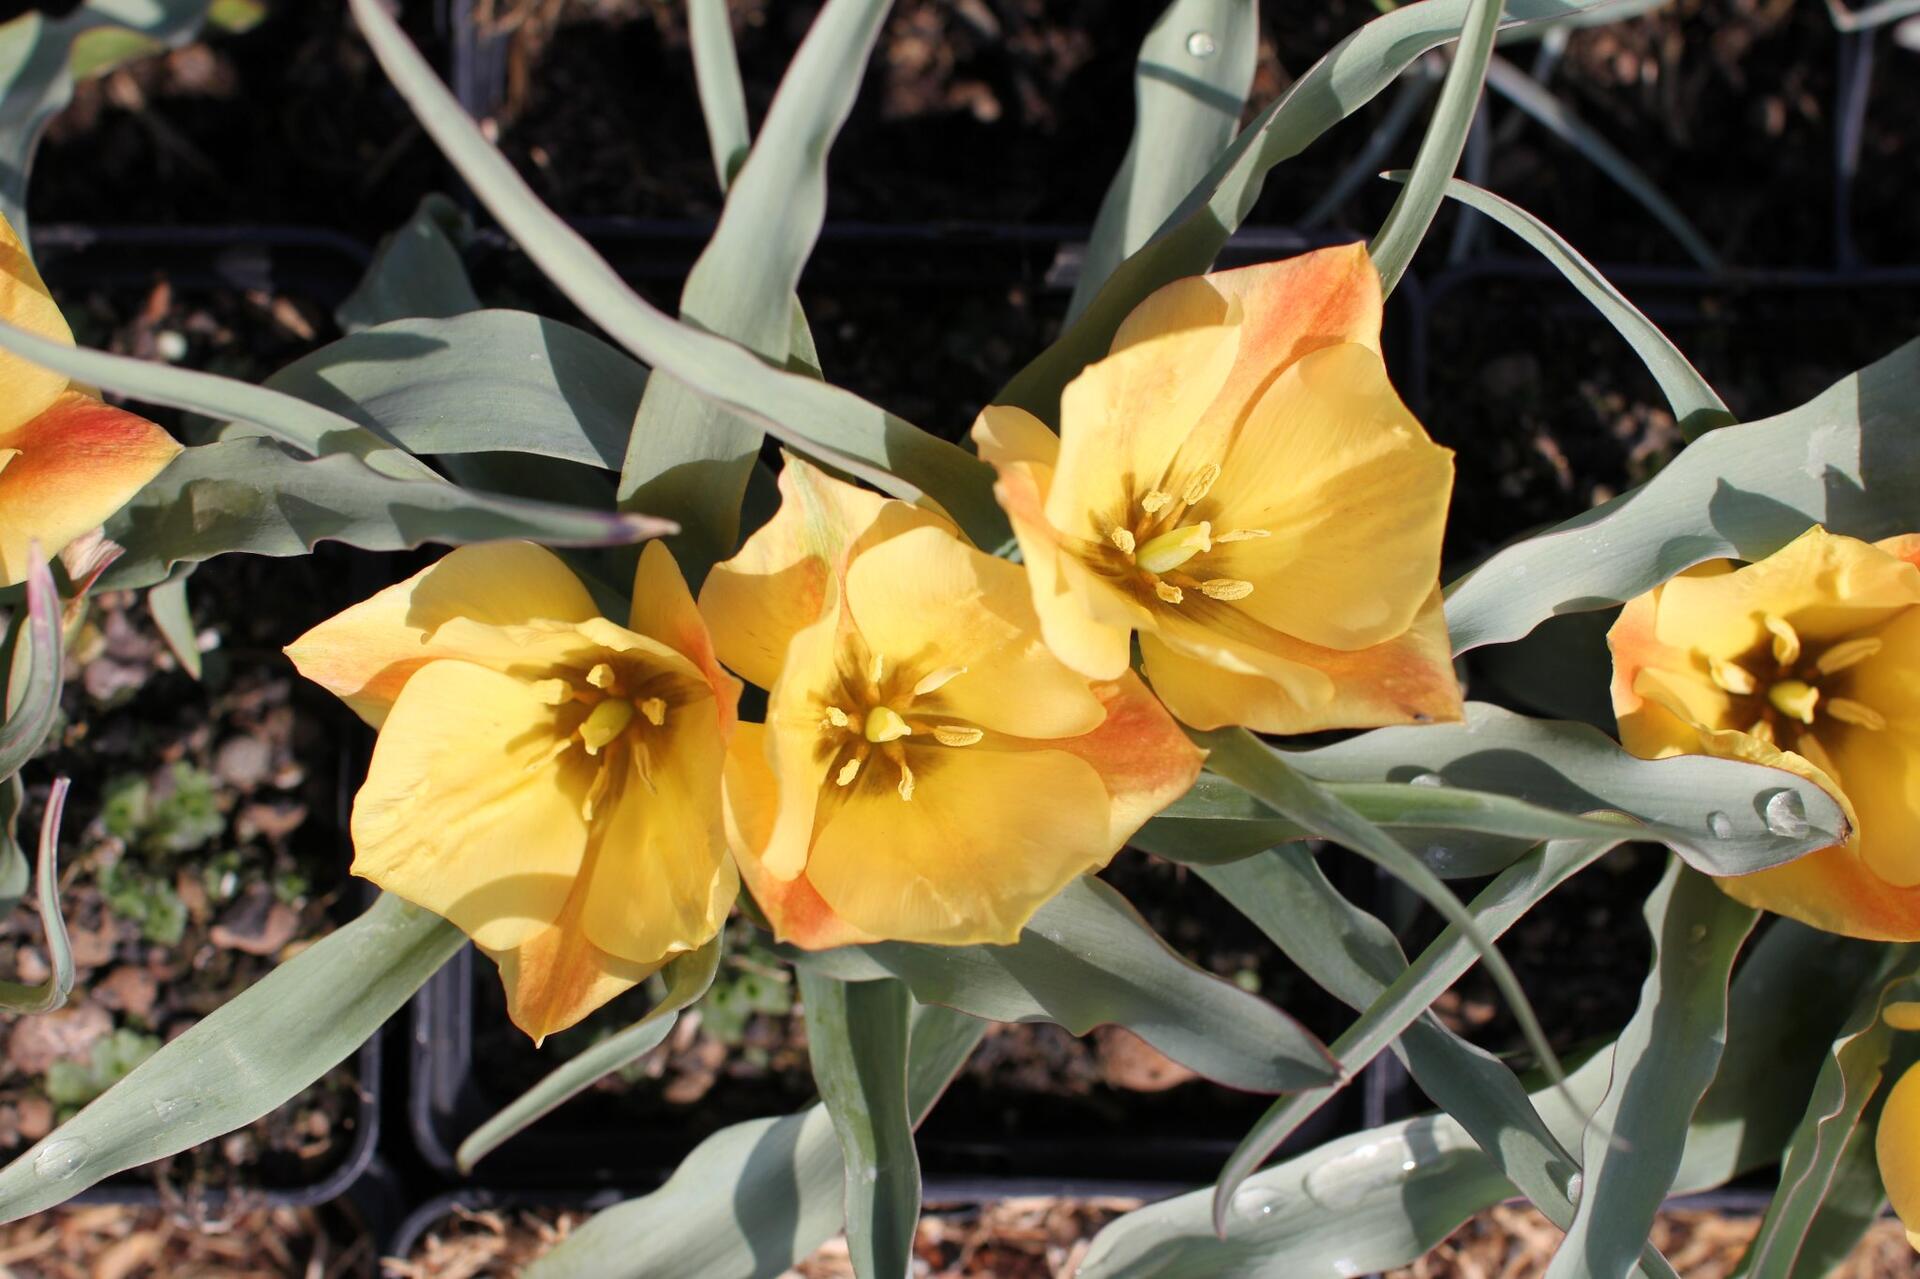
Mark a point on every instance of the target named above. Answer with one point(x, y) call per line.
point(657, 879)
point(69, 468)
point(466, 811)
point(1881, 772)
point(787, 572)
point(987, 838)
point(1828, 587)
point(795, 910)
point(556, 977)
point(1141, 755)
point(663, 610)
point(1352, 494)
point(27, 389)
point(1897, 1143)
point(928, 599)
point(1288, 686)
point(365, 655)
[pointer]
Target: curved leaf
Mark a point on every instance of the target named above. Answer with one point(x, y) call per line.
point(857, 1036)
point(688, 977)
point(45, 996)
point(1848, 459)
point(716, 75)
point(1419, 200)
point(254, 1052)
point(32, 698)
point(1087, 959)
point(417, 272)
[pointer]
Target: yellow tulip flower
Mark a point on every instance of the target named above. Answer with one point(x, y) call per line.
point(928, 770)
point(1897, 1139)
point(1808, 660)
point(67, 460)
point(1238, 484)
point(545, 778)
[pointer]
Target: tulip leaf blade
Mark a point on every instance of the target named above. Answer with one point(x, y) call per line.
point(1696, 406)
point(688, 977)
point(755, 1197)
point(1662, 1065)
point(417, 271)
point(1087, 959)
point(258, 496)
point(1190, 85)
point(1848, 459)
point(32, 700)
point(1836, 1119)
point(828, 423)
point(688, 456)
point(51, 992)
point(716, 77)
point(1340, 83)
point(251, 1054)
point(172, 614)
point(1419, 200)
point(857, 1037)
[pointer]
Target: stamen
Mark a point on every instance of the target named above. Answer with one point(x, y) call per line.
point(643, 765)
point(848, 771)
point(956, 734)
point(601, 676)
point(655, 709)
point(1155, 501)
point(604, 723)
point(1226, 588)
point(1175, 547)
point(1242, 535)
point(1848, 653)
point(1168, 592)
point(554, 692)
point(906, 781)
point(1848, 711)
point(836, 718)
point(934, 681)
point(1731, 676)
point(885, 725)
point(1786, 640)
point(1198, 486)
point(1794, 699)
point(1122, 538)
point(596, 791)
point(876, 669)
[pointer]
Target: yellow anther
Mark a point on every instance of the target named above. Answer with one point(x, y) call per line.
point(837, 718)
point(934, 681)
point(1902, 1014)
point(1795, 699)
point(655, 709)
point(604, 723)
point(848, 771)
point(1731, 676)
point(906, 781)
point(1847, 653)
point(1786, 640)
point(1226, 588)
point(1242, 535)
point(1168, 592)
point(1155, 501)
point(554, 692)
point(1197, 487)
point(1122, 538)
point(1848, 711)
point(1175, 547)
point(885, 725)
point(601, 676)
point(876, 669)
point(956, 734)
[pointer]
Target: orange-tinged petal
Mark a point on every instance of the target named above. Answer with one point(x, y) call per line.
point(799, 767)
point(791, 905)
point(788, 572)
point(467, 811)
point(1897, 1143)
point(556, 977)
point(26, 388)
point(986, 839)
point(67, 469)
point(1826, 586)
point(1288, 686)
point(1352, 494)
point(1143, 758)
point(365, 655)
point(927, 599)
point(663, 609)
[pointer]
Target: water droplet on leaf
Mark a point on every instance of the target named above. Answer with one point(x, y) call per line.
point(1787, 815)
point(1201, 44)
point(1720, 824)
point(61, 1158)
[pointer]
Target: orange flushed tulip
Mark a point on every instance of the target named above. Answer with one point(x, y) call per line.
point(928, 771)
point(1897, 1139)
point(1238, 484)
point(67, 460)
point(1808, 660)
point(546, 779)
